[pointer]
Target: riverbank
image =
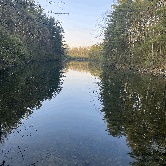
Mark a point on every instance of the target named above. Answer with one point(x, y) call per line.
point(155, 71)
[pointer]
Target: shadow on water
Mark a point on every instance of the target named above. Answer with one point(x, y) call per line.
point(134, 105)
point(23, 89)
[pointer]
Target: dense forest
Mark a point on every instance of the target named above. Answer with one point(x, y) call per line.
point(135, 37)
point(91, 53)
point(77, 53)
point(27, 34)
point(136, 34)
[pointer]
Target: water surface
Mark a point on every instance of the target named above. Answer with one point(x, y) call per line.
point(78, 116)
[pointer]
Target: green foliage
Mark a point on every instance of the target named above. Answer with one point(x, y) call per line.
point(79, 52)
point(28, 34)
point(91, 53)
point(135, 35)
point(96, 52)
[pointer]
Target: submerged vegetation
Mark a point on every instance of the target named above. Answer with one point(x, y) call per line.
point(135, 36)
point(27, 34)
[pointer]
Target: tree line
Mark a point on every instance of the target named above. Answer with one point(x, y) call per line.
point(27, 34)
point(136, 34)
point(81, 52)
point(92, 53)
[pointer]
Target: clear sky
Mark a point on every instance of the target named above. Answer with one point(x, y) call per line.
point(79, 25)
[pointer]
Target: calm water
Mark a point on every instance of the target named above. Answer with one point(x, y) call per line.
point(79, 115)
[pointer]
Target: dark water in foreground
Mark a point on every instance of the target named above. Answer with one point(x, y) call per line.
point(54, 116)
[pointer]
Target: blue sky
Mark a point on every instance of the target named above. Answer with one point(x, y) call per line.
point(79, 25)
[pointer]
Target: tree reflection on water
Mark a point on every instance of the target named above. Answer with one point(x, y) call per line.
point(135, 106)
point(23, 89)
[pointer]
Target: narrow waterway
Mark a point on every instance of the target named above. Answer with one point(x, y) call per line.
point(73, 116)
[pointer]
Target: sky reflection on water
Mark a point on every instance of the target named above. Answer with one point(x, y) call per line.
point(67, 130)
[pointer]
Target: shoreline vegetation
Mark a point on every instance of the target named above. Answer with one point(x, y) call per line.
point(27, 34)
point(84, 53)
point(96, 54)
point(134, 38)
point(136, 35)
